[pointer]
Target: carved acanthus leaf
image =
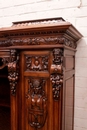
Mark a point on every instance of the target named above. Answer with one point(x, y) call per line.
point(38, 41)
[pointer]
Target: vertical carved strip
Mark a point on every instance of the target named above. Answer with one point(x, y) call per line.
point(57, 72)
point(37, 109)
point(13, 71)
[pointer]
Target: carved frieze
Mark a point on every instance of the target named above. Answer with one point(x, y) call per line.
point(38, 41)
point(57, 72)
point(36, 63)
point(37, 99)
point(13, 71)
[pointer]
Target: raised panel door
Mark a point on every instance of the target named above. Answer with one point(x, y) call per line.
point(40, 107)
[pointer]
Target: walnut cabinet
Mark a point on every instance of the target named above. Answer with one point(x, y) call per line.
point(37, 75)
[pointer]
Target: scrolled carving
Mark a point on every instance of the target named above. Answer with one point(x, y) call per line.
point(13, 71)
point(38, 41)
point(57, 72)
point(36, 63)
point(37, 108)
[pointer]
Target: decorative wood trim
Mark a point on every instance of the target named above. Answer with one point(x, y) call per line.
point(38, 41)
point(13, 71)
point(36, 63)
point(57, 72)
point(40, 21)
point(37, 102)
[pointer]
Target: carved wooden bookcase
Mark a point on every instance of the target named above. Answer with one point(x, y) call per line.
point(37, 70)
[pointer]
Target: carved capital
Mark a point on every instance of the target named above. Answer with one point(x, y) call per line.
point(13, 71)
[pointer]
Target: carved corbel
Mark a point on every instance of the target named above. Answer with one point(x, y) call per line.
point(56, 71)
point(13, 71)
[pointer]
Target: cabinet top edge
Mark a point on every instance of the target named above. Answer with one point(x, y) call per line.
point(56, 24)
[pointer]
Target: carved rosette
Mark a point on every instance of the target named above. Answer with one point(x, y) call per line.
point(36, 63)
point(57, 72)
point(37, 99)
point(13, 71)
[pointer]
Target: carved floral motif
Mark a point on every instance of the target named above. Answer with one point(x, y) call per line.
point(36, 63)
point(57, 81)
point(13, 71)
point(38, 41)
point(37, 99)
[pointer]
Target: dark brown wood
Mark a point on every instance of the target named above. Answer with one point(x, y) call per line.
point(37, 70)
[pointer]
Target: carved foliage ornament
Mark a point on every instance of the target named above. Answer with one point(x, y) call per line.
point(13, 71)
point(36, 63)
point(38, 41)
point(57, 72)
point(37, 99)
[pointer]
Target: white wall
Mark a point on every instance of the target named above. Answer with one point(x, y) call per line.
point(74, 11)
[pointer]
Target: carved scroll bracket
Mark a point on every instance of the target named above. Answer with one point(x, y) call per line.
point(56, 71)
point(13, 71)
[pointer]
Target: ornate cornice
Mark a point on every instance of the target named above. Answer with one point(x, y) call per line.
point(36, 22)
point(38, 41)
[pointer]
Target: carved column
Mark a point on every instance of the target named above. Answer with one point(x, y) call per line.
point(57, 72)
point(13, 71)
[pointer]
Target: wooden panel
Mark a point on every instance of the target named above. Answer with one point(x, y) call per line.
point(31, 98)
point(69, 62)
point(69, 103)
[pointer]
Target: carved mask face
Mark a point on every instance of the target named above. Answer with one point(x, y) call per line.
point(36, 84)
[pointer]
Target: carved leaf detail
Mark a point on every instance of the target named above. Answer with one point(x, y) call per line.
point(38, 41)
point(37, 63)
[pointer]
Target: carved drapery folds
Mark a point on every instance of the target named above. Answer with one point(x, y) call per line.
point(37, 99)
point(13, 71)
point(57, 72)
point(37, 63)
